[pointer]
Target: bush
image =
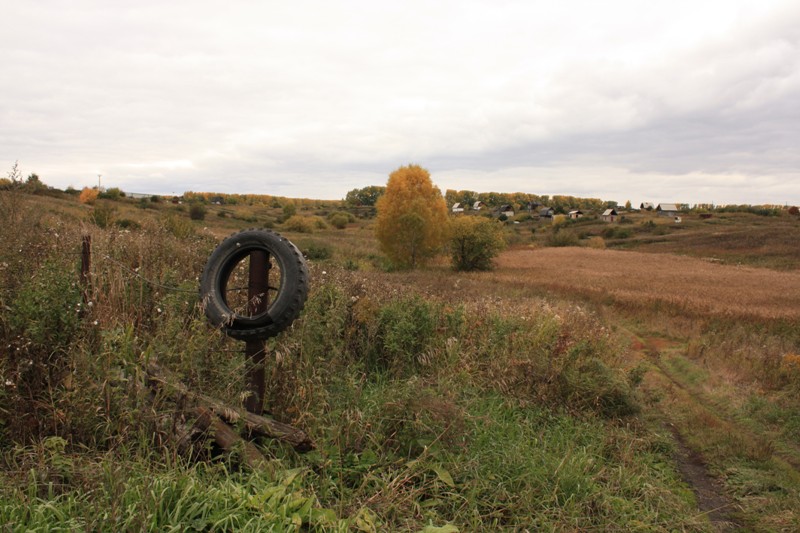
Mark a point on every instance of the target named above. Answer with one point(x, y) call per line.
point(197, 212)
point(102, 215)
point(114, 193)
point(596, 242)
point(178, 226)
point(317, 251)
point(561, 238)
point(88, 196)
point(339, 220)
point(126, 223)
point(615, 232)
point(474, 242)
point(299, 224)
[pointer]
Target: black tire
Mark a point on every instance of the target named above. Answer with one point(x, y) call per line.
point(284, 306)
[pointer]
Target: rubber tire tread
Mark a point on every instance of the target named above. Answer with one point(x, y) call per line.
point(289, 301)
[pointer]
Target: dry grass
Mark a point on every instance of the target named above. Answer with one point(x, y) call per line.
point(688, 284)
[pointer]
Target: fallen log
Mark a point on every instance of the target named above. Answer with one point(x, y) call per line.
point(227, 439)
point(168, 384)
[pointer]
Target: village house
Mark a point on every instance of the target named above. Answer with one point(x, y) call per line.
point(609, 215)
point(667, 210)
point(546, 212)
point(458, 208)
point(646, 206)
point(506, 210)
point(478, 205)
point(575, 214)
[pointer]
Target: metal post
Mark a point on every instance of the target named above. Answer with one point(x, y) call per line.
point(255, 353)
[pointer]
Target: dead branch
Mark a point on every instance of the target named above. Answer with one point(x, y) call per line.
point(168, 384)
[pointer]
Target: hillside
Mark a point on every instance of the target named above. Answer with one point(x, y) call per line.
point(595, 386)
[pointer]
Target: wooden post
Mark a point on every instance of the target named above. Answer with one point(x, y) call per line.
point(255, 353)
point(86, 264)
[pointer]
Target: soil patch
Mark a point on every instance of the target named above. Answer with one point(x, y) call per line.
point(711, 500)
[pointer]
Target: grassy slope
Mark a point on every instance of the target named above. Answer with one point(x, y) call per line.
point(434, 398)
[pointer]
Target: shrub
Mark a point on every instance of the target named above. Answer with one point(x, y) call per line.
point(197, 212)
point(561, 238)
point(319, 223)
point(349, 216)
point(126, 223)
point(597, 243)
point(474, 242)
point(114, 193)
point(615, 232)
point(45, 309)
point(102, 215)
point(289, 210)
point(351, 265)
point(178, 226)
point(299, 224)
point(338, 220)
point(317, 251)
point(88, 196)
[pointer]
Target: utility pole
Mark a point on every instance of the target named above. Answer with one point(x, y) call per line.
point(98, 181)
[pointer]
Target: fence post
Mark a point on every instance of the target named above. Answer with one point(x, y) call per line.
point(86, 264)
point(255, 350)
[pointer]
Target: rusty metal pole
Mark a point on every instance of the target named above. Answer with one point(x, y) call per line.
point(86, 265)
point(255, 352)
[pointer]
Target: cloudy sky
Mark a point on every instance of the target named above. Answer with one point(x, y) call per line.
point(682, 100)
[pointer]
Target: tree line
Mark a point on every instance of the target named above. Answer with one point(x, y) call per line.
point(369, 196)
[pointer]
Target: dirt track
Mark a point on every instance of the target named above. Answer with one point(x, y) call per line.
point(688, 283)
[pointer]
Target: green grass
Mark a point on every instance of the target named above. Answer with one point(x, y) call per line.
point(427, 412)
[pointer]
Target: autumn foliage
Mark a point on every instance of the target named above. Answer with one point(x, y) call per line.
point(88, 196)
point(412, 217)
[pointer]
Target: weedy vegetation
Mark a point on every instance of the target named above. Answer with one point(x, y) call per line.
point(529, 397)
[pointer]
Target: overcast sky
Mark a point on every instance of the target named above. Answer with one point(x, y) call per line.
point(664, 101)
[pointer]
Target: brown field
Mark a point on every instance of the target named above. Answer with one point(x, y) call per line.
point(688, 283)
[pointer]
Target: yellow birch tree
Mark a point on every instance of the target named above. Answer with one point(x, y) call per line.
point(412, 217)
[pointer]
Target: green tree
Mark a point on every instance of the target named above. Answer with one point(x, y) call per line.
point(474, 242)
point(34, 184)
point(365, 196)
point(412, 217)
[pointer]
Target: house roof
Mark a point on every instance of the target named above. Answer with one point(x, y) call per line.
point(609, 212)
point(477, 204)
point(546, 211)
point(576, 212)
point(667, 207)
point(506, 207)
point(645, 205)
point(457, 205)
